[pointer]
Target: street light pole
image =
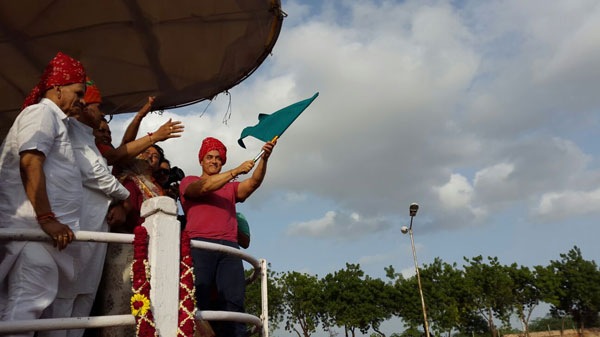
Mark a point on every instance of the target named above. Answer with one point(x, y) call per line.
point(413, 212)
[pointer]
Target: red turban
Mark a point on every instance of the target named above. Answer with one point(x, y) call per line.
point(92, 94)
point(62, 70)
point(209, 144)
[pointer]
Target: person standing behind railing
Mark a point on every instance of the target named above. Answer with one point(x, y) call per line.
point(114, 293)
point(40, 187)
point(131, 147)
point(100, 189)
point(209, 204)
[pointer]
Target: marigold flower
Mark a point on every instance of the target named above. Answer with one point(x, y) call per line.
point(140, 305)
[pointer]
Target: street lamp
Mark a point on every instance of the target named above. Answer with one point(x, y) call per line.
point(413, 212)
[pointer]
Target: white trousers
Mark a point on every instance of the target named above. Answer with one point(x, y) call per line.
point(79, 306)
point(32, 284)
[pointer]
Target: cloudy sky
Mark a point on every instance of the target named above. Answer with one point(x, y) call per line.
point(483, 112)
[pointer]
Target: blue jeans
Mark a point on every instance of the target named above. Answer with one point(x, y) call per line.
point(227, 273)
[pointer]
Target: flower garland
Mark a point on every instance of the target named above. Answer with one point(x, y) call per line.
point(140, 301)
point(187, 298)
point(140, 284)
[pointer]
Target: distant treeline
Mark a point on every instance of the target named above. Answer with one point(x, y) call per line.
point(466, 300)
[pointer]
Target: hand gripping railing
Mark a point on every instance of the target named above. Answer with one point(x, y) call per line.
point(163, 257)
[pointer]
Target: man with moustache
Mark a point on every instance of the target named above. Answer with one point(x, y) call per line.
point(40, 188)
point(100, 190)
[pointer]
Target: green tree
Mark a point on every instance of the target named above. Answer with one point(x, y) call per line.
point(409, 304)
point(381, 303)
point(490, 289)
point(354, 302)
point(550, 322)
point(274, 295)
point(578, 290)
point(443, 291)
point(447, 299)
point(302, 296)
point(526, 292)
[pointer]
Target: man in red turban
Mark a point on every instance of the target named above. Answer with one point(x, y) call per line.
point(209, 204)
point(40, 188)
point(62, 71)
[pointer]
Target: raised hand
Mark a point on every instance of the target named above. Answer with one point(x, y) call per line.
point(268, 148)
point(245, 167)
point(147, 107)
point(171, 129)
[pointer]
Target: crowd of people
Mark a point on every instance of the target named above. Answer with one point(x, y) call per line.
point(55, 176)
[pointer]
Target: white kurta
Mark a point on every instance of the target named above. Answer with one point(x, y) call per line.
point(42, 127)
point(100, 188)
point(75, 297)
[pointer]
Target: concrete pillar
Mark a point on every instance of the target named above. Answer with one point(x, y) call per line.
point(163, 256)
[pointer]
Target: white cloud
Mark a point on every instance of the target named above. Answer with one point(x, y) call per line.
point(456, 193)
point(557, 206)
point(456, 197)
point(338, 225)
point(493, 175)
point(412, 94)
point(408, 272)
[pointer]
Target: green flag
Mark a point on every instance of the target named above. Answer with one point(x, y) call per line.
point(276, 123)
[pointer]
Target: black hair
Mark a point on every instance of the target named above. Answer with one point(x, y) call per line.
point(161, 153)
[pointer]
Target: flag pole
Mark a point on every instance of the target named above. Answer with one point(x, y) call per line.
point(263, 151)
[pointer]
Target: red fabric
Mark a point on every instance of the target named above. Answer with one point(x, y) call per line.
point(135, 200)
point(213, 215)
point(92, 94)
point(62, 70)
point(209, 144)
point(102, 148)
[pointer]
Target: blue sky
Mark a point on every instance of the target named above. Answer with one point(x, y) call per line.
point(484, 113)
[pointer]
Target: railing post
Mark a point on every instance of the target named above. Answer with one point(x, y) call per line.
point(264, 317)
point(163, 257)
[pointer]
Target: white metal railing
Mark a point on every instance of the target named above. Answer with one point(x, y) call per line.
point(164, 234)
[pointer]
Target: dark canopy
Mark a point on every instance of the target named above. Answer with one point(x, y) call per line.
point(182, 51)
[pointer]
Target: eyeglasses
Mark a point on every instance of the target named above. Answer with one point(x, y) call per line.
point(163, 171)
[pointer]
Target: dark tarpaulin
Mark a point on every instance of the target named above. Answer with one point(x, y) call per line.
point(182, 51)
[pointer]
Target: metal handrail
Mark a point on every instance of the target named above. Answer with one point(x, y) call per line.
point(231, 251)
point(26, 234)
point(30, 234)
point(46, 324)
point(210, 315)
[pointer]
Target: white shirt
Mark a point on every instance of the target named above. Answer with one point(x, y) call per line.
point(100, 188)
point(42, 127)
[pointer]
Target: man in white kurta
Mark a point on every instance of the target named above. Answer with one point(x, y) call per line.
point(40, 188)
point(100, 189)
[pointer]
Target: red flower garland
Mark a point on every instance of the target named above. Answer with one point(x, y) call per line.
point(141, 286)
point(187, 298)
point(144, 321)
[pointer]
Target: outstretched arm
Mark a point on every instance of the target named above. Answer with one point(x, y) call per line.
point(134, 126)
point(131, 149)
point(248, 186)
point(212, 183)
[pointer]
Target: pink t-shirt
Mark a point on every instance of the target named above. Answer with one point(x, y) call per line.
point(211, 216)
